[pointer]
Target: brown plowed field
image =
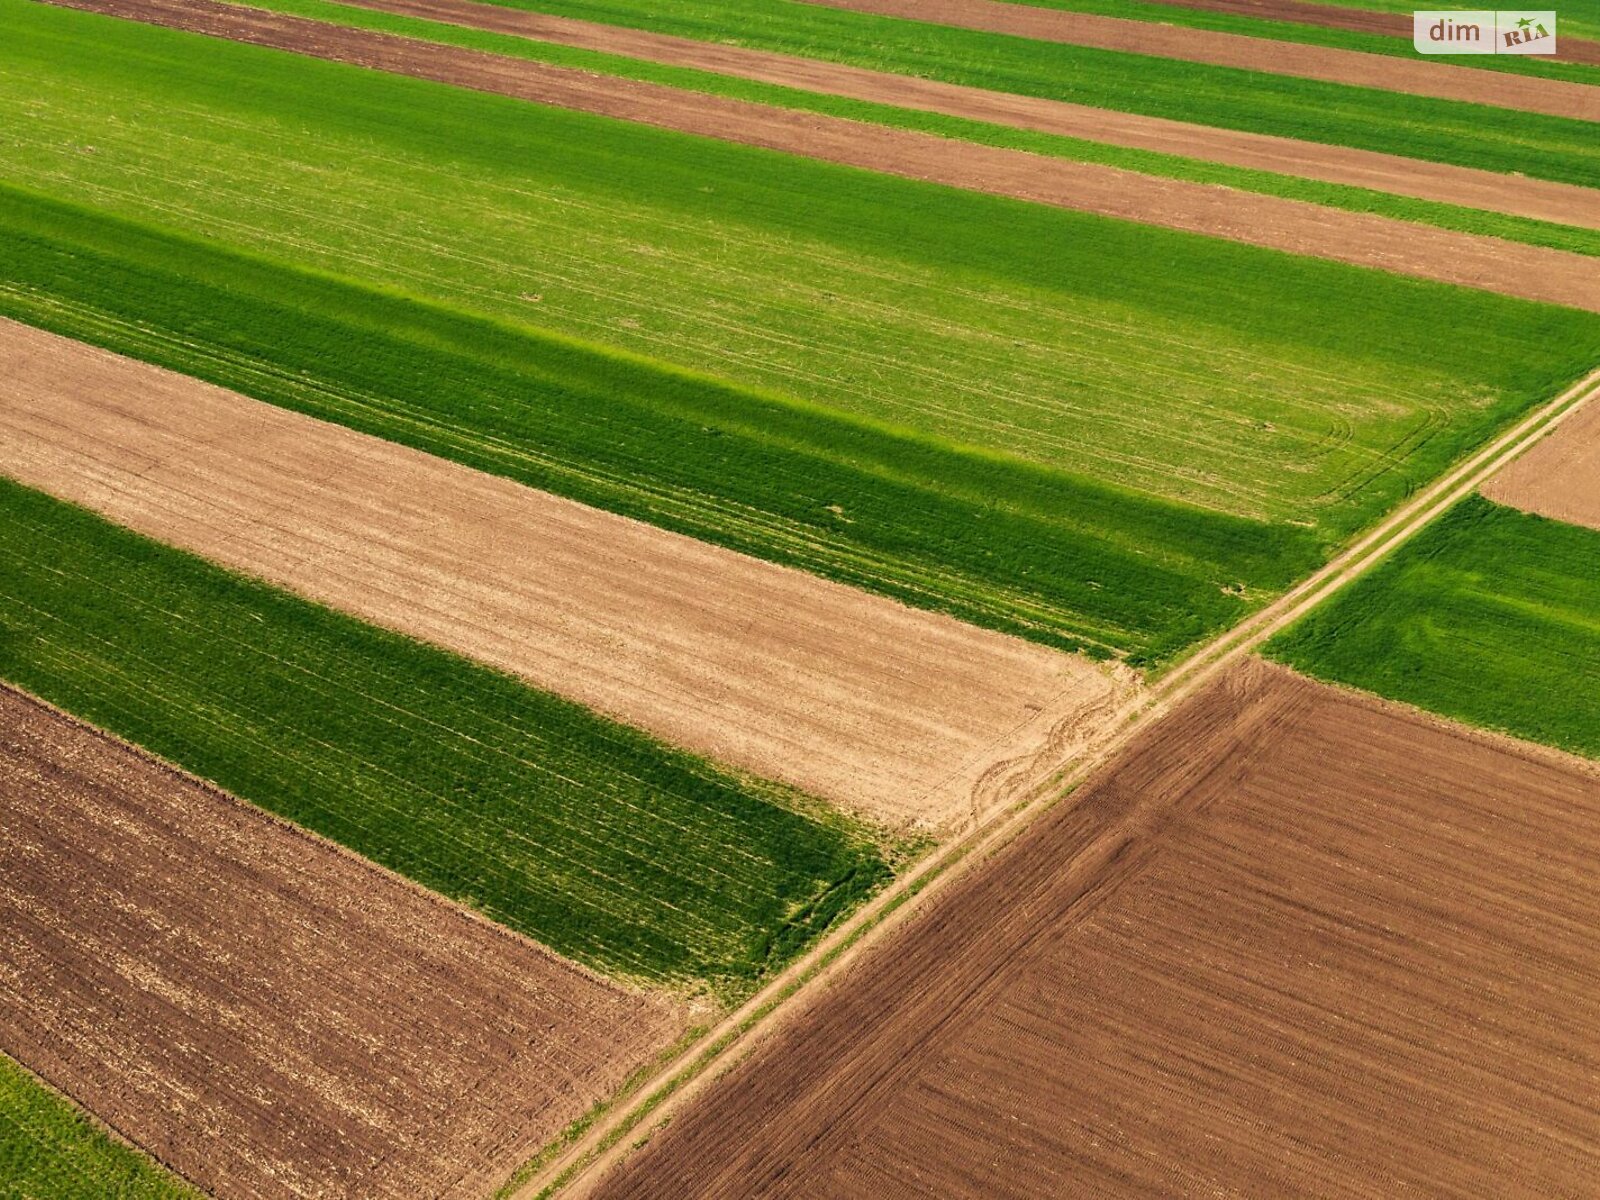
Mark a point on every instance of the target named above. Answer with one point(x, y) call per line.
point(1422, 251)
point(1356, 20)
point(1294, 942)
point(1416, 77)
point(900, 713)
point(266, 1014)
point(1560, 476)
point(1534, 198)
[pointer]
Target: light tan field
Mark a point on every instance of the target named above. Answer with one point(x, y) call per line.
point(1293, 942)
point(901, 714)
point(1537, 199)
point(1560, 476)
point(1404, 247)
point(1417, 77)
point(268, 1015)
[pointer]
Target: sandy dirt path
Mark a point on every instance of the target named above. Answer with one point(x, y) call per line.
point(1420, 251)
point(1294, 942)
point(901, 714)
point(1357, 20)
point(1559, 477)
point(1534, 198)
point(264, 1013)
point(1354, 67)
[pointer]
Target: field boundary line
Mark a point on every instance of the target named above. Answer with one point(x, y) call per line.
point(580, 1166)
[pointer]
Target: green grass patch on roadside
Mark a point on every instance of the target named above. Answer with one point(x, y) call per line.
point(996, 541)
point(1490, 616)
point(49, 1150)
point(632, 857)
point(1308, 34)
point(1170, 166)
point(1469, 135)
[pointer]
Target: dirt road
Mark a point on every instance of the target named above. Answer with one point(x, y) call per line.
point(899, 713)
point(1516, 195)
point(267, 1015)
point(1559, 477)
point(1420, 251)
point(1356, 68)
point(1294, 942)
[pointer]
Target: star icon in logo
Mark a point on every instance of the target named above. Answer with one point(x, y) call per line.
point(1525, 22)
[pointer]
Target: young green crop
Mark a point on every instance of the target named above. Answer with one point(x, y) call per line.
point(1469, 135)
point(995, 541)
point(1238, 378)
point(1491, 616)
point(1168, 166)
point(51, 1151)
point(594, 839)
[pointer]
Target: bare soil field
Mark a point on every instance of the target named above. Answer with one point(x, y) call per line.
point(1331, 65)
point(1560, 476)
point(902, 714)
point(1406, 248)
point(1519, 196)
point(1356, 20)
point(267, 1015)
point(1293, 942)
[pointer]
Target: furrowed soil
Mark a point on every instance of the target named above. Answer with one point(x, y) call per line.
point(1421, 251)
point(1559, 477)
point(1442, 182)
point(904, 715)
point(1352, 67)
point(1295, 941)
point(265, 1014)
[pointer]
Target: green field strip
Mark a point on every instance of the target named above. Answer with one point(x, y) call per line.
point(634, 858)
point(1185, 367)
point(1169, 166)
point(1490, 616)
point(1468, 135)
point(49, 1150)
point(996, 541)
point(1576, 18)
point(1308, 34)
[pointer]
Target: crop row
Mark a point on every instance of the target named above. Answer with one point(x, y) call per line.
point(1167, 166)
point(1491, 616)
point(587, 836)
point(1242, 379)
point(1468, 135)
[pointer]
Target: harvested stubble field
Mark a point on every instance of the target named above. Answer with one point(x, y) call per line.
point(1295, 943)
point(266, 1014)
point(607, 846)
point(1491, 616)
point(1559, 477)
point(50, 1151)
point(1514, 208)
point(1291, 406)
point(1369, 117)
point(900, 715)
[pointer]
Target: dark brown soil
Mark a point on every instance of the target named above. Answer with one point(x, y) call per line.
point(1295, 942)
point(1422, 251)
point(268, 1015)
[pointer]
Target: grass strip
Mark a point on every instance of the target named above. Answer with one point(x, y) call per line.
point(1188, 368)
point(1490, 616)
point(594, 839)
point(49, 1150)
point(1168, 166)
point(1469, 135)
point(1308, 34)
point(996, 541)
